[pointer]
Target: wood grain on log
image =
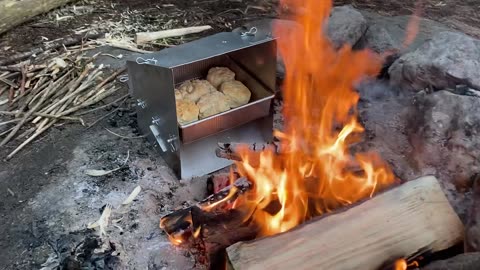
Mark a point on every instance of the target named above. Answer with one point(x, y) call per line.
point(15, 12)
point(395, 224)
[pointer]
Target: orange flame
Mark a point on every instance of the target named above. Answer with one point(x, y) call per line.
point(401, 264)
point(315, 172)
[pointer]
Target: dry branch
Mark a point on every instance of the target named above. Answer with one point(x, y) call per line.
point(14, 12)
point(395, 224)
point(144, 37)
point(49, 46)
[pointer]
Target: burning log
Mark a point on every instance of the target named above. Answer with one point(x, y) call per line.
point(211, 225)
point(395, 224)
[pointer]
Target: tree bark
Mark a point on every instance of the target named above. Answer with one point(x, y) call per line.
point(15, 12)
point(392, 225)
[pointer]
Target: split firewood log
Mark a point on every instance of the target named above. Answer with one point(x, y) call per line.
point(396, 224)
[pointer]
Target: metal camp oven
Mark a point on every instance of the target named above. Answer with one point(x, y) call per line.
point(190, 149)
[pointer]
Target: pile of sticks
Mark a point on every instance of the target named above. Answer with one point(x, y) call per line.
point(41, 95)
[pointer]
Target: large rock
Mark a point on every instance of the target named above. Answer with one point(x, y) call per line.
point(446, 60)
point(346, 25)
point(424, 134)
point(386, 33)
point(466, 261)
point(444, 131)
point(378, 39)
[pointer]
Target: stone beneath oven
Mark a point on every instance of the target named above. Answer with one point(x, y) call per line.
point(446, 60)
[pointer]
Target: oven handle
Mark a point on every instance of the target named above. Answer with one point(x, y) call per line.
point(158, 137)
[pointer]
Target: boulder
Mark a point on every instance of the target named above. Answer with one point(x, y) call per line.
point(388, 32)
point(346, 25)
point(424, 134)
point(467, 261)
point(446, 60)
point(443, 129)
point(378, 39)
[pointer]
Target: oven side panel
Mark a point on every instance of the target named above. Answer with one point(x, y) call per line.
point(153, 89)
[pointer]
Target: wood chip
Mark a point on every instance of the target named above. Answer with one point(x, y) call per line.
point(132, 196)
point(97, 173)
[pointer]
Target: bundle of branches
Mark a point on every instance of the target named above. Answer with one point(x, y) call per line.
point(42, 94)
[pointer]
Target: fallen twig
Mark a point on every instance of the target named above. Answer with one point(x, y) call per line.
point(124, 137)
point(104, 106)
point(27, 115)
point(144, 37)
point(42, 115)
point(35, 135)
point(102, 117)
point(49, 46)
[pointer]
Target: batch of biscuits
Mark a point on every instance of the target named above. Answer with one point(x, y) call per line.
point(220, 92)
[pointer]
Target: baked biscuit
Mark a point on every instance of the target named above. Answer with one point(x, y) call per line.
point(236, 92)
point(178, 94)
point(187, 111)
point(195, 89)
point(218, 75)
point(213, 103)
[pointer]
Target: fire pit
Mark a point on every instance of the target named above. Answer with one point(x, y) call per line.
point(289, 197)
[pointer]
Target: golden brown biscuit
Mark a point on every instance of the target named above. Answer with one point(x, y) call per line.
point(212, 103)
point(193, 90)
point(236, 92)
point(187, 111)
point(178, 94)
point(218, 75)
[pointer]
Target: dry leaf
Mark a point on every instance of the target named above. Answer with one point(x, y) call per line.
point(132, 196)
point(102, 222)
point(97, 173)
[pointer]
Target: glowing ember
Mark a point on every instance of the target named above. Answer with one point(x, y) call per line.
point(401, 264)
point(314, 173)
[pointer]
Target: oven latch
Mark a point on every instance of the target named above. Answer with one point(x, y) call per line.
point(164, 144)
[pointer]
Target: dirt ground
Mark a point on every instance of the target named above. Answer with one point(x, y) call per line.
point(45, 191)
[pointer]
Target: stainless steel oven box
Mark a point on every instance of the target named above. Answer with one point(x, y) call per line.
point(190, 149)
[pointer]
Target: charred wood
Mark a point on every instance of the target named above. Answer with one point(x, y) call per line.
point(211, 225)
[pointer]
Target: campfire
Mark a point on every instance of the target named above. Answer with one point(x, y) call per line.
point(312, 172)
point(315, 172)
